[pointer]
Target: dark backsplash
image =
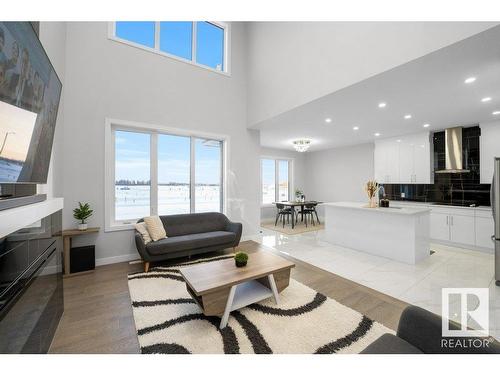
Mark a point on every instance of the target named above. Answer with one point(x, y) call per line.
point(463, 189)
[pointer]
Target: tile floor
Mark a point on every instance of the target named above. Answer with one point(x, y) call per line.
point(419, 284)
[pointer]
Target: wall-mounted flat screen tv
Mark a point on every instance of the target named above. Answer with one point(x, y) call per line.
point(29, 99)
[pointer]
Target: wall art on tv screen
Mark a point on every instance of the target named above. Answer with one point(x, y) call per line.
point(29, 99)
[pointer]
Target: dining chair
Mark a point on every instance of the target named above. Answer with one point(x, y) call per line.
point(315, 204)
point(310, 210)
point(283, 213)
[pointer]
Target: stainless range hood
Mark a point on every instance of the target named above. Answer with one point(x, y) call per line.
point(453, 151)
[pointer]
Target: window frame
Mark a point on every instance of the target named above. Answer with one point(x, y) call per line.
point(111, 125)
point(227, 43)
point(277, 159)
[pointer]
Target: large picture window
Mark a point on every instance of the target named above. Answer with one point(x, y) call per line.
point(155, 172)
point(174, 174)
point(201, 43)
point(132, 175)
point(275, 178)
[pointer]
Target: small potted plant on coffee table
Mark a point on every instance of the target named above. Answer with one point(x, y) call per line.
point(241, 259)
point(82, 213)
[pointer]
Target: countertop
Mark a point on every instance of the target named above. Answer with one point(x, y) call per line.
point(390, 210)
point(433, 204)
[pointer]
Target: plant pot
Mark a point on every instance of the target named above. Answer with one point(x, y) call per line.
point(82, 226)
point(240, 263)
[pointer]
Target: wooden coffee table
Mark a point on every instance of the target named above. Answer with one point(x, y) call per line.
point(220, 287)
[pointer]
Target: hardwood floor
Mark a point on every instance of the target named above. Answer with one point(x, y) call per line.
point(98, 315)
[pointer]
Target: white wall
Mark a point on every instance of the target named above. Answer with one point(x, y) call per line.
point(105, 78)
point(298, 176)
point(53, 38)
point(489, 148)
point(292, 63)
point(339, 174)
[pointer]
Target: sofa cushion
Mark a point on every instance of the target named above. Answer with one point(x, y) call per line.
point(390, 344)
point(183, 224)
point(155, 227)
point(143, 230)
point(190, 241)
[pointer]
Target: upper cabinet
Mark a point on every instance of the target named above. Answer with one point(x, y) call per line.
point(385, 154)
point(404, 160)
point(489, 148)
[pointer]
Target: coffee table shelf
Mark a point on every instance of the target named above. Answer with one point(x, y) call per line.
point(249, 292)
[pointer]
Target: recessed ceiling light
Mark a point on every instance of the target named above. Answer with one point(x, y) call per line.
point(399, 140)
point(487, 99)
point(407, 117)
point(382, 105)
point(496, 113)
point(377, 134)
point(426, 125)
point(470, 80)
point(328, 120)
point(355, 128)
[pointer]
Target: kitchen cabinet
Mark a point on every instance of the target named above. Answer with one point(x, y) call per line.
point(453, 225)
point(485, 227)
point(385, 159)
point(403, 160)
point(406, 160)
point(440, 229)
point(462, 229)
point(422, 166)
point(489, 148)
point(466, 227)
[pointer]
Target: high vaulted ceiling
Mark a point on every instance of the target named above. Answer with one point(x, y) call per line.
point(431, 89)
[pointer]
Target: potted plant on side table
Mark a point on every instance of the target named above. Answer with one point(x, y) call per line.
point(82, 213)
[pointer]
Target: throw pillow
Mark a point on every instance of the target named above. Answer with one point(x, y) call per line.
point(155, 227)
point(141, 228)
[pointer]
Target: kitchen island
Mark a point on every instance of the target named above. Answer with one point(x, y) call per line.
point(398, 233)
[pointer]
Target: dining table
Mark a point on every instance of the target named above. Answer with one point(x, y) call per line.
point(293, 204)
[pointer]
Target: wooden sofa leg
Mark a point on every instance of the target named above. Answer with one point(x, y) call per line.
point(146, 266)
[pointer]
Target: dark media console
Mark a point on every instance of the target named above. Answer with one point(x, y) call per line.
point(31, 286)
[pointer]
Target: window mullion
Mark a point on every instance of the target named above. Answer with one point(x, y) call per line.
point(276, 181)
point(193, 46)
point(153, 186)
point(157, 35)
point(192, 182)
point(113, 174)
point(221, 189)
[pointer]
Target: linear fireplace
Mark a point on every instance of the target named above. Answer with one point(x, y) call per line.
point(31, 292)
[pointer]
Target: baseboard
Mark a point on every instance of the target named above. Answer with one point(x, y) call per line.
point(462, 246)
point(116, 259)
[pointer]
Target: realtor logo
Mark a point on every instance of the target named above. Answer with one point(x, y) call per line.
point(469, 307)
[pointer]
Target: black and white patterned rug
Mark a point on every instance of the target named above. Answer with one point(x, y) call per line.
point(169, 321)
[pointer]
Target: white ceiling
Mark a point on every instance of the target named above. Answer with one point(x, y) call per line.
point(430, 88)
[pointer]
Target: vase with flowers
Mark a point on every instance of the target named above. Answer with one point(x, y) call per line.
point(371, 189)
point(299, 194)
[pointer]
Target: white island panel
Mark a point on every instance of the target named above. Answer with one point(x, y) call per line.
point(400, 234)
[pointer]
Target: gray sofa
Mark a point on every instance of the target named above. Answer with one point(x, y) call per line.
point(190, 234)
point(419, 332)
